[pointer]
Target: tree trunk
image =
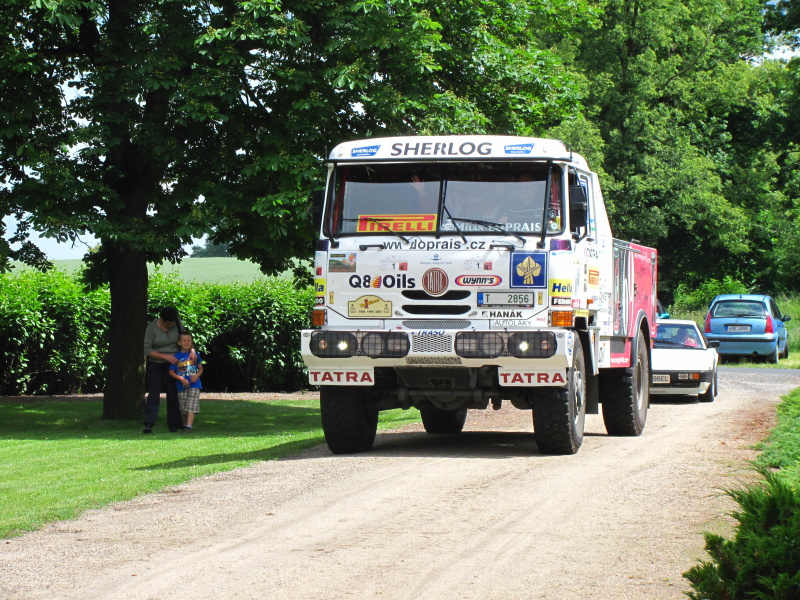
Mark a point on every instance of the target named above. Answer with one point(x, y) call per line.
point(123, 396)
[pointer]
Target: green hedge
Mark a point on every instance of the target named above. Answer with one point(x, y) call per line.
point(55, 334)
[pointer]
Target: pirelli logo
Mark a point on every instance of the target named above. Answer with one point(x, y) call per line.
point(409, 223)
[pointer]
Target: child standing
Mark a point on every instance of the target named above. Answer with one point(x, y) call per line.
point(187, 372)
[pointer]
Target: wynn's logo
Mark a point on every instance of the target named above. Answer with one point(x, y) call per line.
point(478, 280)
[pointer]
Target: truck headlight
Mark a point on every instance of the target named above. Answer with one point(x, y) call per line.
point(479, 344)
point(381, 344)
point(532, 344)
point(333, 344)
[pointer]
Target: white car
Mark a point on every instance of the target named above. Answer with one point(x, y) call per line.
point(683, 363)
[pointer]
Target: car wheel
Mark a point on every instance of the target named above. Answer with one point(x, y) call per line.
point(711, 392)
point(786, 350)
point(774, 357)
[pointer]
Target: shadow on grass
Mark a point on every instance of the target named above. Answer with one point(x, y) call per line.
point(52, 420)
point(270, 453)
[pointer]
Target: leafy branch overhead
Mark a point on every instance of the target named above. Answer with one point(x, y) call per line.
point(143, 122)
point(149, 123)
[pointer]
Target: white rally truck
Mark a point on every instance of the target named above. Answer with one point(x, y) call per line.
point(458, 272)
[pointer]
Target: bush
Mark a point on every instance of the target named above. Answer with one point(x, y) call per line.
point(249, 335)
point(55, 333)
point(763, 559)
point(691, 298)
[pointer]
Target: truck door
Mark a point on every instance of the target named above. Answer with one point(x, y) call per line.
point(581, 208)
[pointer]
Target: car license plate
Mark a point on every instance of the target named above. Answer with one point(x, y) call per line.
point(505, 299)
point(660, 378)
point(739, 328)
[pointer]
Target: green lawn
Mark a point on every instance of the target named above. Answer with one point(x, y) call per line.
point(781, 450)
point(60, 458)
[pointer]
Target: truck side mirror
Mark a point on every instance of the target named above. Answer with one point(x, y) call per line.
point(578, 206)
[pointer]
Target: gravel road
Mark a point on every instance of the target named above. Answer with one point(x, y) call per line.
point(476, 516)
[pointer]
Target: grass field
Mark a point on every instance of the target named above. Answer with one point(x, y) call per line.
point(200, 270)
point(60, 458)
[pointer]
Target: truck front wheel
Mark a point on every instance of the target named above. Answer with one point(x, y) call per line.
point(559, 417)
point(626, 397)
point(348, 423)
point(437, 420)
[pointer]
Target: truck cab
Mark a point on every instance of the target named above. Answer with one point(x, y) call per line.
point(458, 272)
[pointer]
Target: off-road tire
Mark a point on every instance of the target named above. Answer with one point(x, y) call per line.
point(438, 421)
point(711, 392)
point(348, 423)
point(626, 397)
point(559, 417)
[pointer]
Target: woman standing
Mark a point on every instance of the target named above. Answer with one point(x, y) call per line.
point(160, 345)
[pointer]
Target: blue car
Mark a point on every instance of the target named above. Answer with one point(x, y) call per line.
point(747, 325)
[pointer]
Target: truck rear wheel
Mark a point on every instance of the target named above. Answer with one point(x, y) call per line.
point(438, 421)
point(626, 398)
point(559, 419)
point(348, 423)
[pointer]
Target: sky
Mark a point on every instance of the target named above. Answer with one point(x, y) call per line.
point(66, 251)
point(53, 249)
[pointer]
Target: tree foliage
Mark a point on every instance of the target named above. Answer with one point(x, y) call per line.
point(150, 122)
point(663, 76)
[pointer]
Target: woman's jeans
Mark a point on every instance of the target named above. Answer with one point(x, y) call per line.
point(157, 377)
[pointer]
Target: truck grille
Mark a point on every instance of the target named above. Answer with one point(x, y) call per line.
point(426, 344)
point(437, 324)
point(435, 309)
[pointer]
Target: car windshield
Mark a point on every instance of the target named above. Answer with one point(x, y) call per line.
point(417, 198)
point(677, 336)
point(739, 308)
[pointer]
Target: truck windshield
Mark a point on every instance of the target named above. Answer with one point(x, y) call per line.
point(440, 197)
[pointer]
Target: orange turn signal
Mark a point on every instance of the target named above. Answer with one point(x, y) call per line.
point(319, 317)
point(561, 318)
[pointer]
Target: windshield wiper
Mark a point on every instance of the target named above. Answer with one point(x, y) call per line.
point(458, 229)
point(497, 226)
point(379, 223)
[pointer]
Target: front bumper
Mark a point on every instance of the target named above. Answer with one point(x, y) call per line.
point(522, 358)
point(680, 382)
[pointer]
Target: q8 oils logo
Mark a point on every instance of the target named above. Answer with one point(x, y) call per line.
point(529, 270)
